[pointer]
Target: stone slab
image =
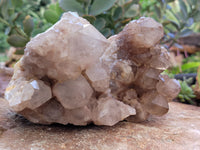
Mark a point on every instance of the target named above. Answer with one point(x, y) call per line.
point(179, 129)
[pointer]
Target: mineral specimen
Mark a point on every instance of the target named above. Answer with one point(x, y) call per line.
point(72, 74)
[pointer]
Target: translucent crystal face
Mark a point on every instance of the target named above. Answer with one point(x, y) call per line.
point(72, 74)
point(73, 93)
point(23, 94)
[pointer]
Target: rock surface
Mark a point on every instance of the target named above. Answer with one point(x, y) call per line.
point(178, 129)
point(72, 74)
point(4, 80)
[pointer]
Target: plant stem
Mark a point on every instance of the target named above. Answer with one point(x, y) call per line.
point(20, 32)
point(5, 22)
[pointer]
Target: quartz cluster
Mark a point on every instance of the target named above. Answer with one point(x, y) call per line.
point(72, 74)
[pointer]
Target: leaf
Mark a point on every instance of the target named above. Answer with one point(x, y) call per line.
point(19, 52)
point(180, 96)
point(118, 25)
point(28, 25)
point(44, 2)
point(58, 9)
point(14, 16)
point(189, 81)
point(186, 92)
point(51, 16)
point(172, 15)
point(158, 11)
point(185, 32)
point(100, 23)
point(168, 7)
point(120, 2)
point(171, 35)
point(175, 24)
point(17, 40)
point(125, 2)
point(7, 30)
point(52, 7)
point(71, 5)
point(132, 11)
point(11, 11)
point(181, 18)
point(106, 32)
point(190, 65)
point(83, 1)
point(12, 31)
point(169, 1)
point(192, 2)
point(197, 17)
point(192, 95)
point(183, 8)
point(4, 9)
point(117, 13)
point(187, 97)
point(166, 22)
point(198, 76)
point(17, 3)
point(91, 19)
point(55, 7)
point(127, 5)
point(190, 21)
point(178, 46)
point(37, 31)
point(100, 6)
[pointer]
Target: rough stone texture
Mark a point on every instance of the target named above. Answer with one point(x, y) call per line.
point(72, 74)
point(178, 129)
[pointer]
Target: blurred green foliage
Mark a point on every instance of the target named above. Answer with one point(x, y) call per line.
point(3, 57)
point(193, 58)
point(108, 17)
point(53, 13)
point(21, 19)
point(25, 18)
point(186, 94)
point(198, 77)
point(189, 65)
point(3, 43)
point(180, 18)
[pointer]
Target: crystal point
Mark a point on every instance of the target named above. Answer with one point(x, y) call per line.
point(109, 111)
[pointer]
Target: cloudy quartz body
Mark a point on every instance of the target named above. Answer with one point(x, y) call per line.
point(72, 74)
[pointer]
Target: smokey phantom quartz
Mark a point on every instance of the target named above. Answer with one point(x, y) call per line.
point(72, 74)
